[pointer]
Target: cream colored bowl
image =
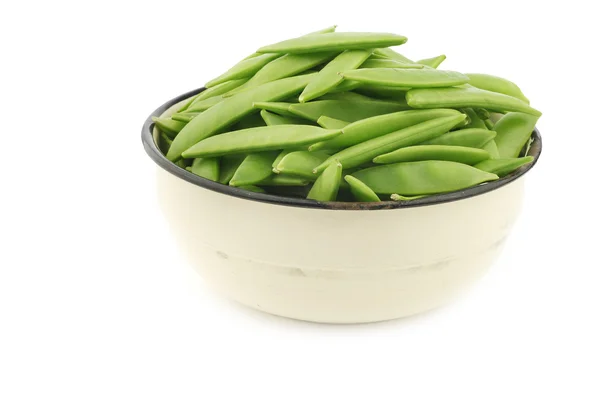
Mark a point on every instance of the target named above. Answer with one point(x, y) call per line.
point(335, 262)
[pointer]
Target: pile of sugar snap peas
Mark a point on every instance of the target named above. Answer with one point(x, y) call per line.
point(340, 116)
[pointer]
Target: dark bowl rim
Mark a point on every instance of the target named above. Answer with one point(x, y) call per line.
point(155, 154)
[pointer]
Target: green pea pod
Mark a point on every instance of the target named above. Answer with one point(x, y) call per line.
point(346, 86)
point(492, 149)
point(280, 108)
point(331, 123)
point(184, 116)
point(282, 154)
point(272, 119)
point(415, 134)
point(460, 97)
point(345, 110)
point(301, 163)
point(399, 197)
point(183, 163)
point(249, 121)
point(243, 69)
point(205, 104)
point(474, 120)
point(380, 125)
point(472, 137)
point(413, 78)
point(255, 168)
point(465, 155)
point(503, 166)
point(360, 191)
point(188, 103)
point(422, 177)
point(229, 164)
point(164, 142)
point(335, 41)
point(346, 96)
point(288, 65)
point(328, 77)
point(206, 167)
point(327, 185)
point(231, 110)
point(263, 138)
point(284, 180)
point(383, 92)
point(393, 55)
point(514, 130)
point(387, 63)
point(219, 89)
point(329, 29)
point(488, 123)
point(432, 62)
point(496, 84)
point(170, 127)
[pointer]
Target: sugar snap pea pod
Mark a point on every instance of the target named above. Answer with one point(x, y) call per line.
point(460, 97)
point(288, 65)
point(205, 104)
point(422, 177)
point(387, 63)
point(243, 69)
point(382, 92)
point(335, 41)
point(415, 134)
point(328, 77)
point(260, 139)
point(471, 137)
point(206, 167)
point(276, 107)
point(219, 89)
point(465, 155)
point(249, 121)
point(496, 84)
point(513, 131)
point(255, 168)
point(346, 86)
point(360, 191)
point(413, 78)
point(164, 142)
point(169, 126)
point(181, 163)
point(399, 197)
point(331, 123)
point(282, 154)
point(380, 125)
point(252, 188)
point(329, 29)
point(327, 185)
point(184, 116)
point(474, 120)
point(231, 110)
point(492, 149)
point(229, 164)
point(188, 103)
point(345, 110)
point(275, 119)
point(503, 166)
point(301, 163)
point(433, 62)
point(393, 55)
point(284, 180)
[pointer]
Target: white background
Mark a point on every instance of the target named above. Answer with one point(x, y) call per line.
point(96, 303)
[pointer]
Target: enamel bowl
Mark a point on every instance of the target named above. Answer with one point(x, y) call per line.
point(335, 262)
